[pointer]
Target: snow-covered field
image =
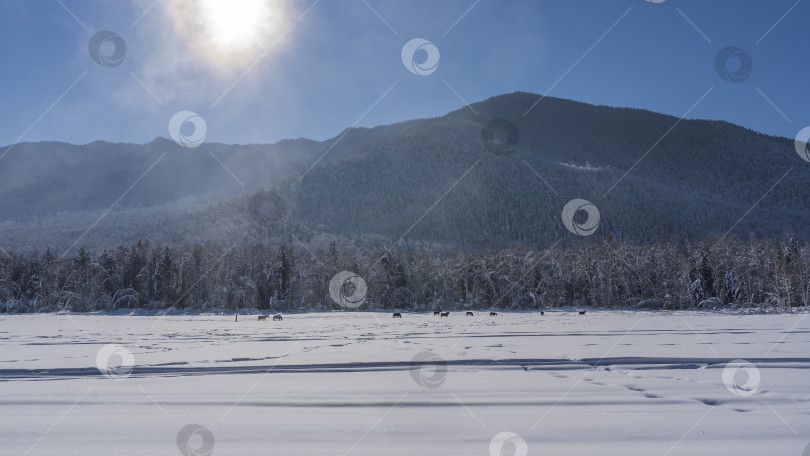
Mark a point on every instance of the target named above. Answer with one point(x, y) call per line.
point(604, 383)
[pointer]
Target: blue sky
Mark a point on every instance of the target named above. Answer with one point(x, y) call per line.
point(315, 70)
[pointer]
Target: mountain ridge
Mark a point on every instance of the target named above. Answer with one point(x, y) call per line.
point(375, 183)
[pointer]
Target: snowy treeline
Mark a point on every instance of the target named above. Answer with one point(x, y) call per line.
point(605, 273)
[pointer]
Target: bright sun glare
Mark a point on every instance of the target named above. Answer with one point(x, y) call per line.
point(237, 24)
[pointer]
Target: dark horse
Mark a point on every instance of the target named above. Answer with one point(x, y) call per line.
point(582, 312)
point(436, 312)
point(444, 314)
point(469, 314)
point(397, 315)
point(277, 317)
point(493, 314)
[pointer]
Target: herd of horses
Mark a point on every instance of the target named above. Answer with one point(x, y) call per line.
point(277, 317)
point(447, 314)
point(468, 314)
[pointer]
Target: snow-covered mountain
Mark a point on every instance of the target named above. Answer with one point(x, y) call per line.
point(466, 181)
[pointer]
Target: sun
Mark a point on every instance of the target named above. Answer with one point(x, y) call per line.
point(235, 25)
point(229, 35)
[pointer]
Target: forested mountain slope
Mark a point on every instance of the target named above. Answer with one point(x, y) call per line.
point(698, 180)
point(375, 184)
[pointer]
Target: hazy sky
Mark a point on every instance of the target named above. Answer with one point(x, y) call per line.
point(305, 68)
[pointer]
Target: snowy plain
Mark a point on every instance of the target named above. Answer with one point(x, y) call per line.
point(354, 383)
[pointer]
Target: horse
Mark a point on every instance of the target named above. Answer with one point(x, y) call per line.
point(436, 312)
point(542, 313)
point(277, 317)
point(493, 314)
point(263, 317)
point(469, 314)
point(397, 315)
point(582, 312)
point(444, 314)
